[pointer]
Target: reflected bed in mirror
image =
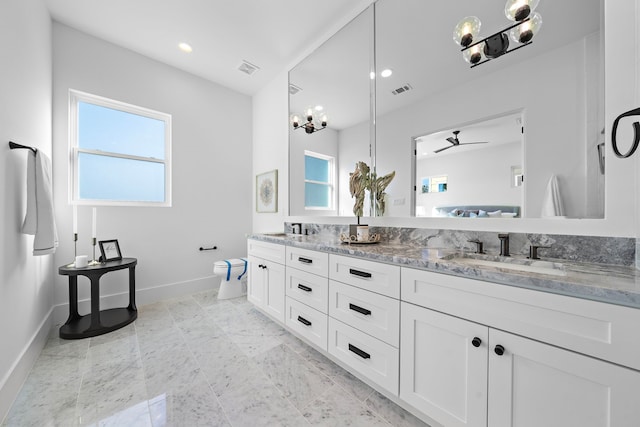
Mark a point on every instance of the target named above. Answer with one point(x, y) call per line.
point(468, 171)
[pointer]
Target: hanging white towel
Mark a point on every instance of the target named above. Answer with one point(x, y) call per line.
point(552, 203)
point(39, 219)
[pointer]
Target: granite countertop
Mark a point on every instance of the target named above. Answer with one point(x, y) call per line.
point(612, 284)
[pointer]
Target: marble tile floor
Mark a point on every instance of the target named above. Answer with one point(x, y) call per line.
point(196, 361)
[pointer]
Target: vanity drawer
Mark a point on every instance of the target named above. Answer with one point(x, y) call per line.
point(370, 275)
point(307, 322)
point(374, 314)
point(605, 331)
point(306, 260)
point(308, 288)
point(373, 358)
point(265, 250)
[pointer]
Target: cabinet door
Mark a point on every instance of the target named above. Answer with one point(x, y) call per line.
point(274, 290)
point(442, 372)
point(255, 281)
point(534, 384)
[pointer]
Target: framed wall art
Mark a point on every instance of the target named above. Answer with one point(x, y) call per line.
point(267, 191)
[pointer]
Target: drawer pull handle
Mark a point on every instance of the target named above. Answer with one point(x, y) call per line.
point(499, 350)
point(360, 309)
point(359, 352)
point(304, 321)
point(304, 288)
point(476, 342)
point(359, 273)
point(305, 260)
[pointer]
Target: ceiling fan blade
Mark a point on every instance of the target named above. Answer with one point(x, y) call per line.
point(445, 148)
point(471, 143)
point(453, 140)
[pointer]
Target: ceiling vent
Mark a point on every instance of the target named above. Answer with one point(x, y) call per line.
point(402, 89)
point(293, 89)
point(248, 67)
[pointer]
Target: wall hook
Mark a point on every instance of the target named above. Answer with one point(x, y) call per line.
point(636, 134)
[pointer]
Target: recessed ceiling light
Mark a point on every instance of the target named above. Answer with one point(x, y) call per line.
point(386, 72)
point(185, 47)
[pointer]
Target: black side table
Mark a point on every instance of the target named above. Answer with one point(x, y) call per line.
point(98, 322)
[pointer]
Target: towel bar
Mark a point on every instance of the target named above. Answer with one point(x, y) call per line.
point(14, 146)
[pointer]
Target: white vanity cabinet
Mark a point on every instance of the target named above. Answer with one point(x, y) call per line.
point(465, 363)
point(364, 318)
point(307, 294)
point(266, 279)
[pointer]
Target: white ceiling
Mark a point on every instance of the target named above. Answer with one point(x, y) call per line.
point(271, 34)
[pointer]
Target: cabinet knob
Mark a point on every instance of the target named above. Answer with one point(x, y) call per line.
point(499, 350)
point(476, 342)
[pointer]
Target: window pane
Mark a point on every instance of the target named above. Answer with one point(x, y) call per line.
point(317, 195)
point(316, 169)
point(113, 178)
point(106, 129)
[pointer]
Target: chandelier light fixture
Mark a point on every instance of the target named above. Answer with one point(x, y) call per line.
point(313, 123)
point(476, 51)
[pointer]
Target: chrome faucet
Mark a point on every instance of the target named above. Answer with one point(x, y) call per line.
point(504, 244)
point(296, 228)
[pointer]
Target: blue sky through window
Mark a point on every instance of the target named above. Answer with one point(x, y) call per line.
point(106, 129)
point(110, 178)
point(114, 178)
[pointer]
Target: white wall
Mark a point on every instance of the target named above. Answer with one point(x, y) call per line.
point(620, 40)
point(26, 282)
point(271, 148)
point(212, 175)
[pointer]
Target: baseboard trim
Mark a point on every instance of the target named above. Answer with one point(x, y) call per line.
point(143, 296)
point(12, 382)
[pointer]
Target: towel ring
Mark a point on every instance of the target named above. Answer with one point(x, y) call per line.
point(636, 134)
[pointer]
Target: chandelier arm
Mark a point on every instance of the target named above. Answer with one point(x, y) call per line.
point(493, 35)
point(508, 51)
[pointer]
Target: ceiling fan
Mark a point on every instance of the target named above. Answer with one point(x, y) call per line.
point(456, 142)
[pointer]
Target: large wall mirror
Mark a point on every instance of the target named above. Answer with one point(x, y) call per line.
point(334, 84)
point(552, 90)
point(536, 114)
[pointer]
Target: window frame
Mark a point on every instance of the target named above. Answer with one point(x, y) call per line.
point(330, 183)
point(75, 97)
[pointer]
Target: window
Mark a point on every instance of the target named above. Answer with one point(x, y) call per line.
point(120, 153)
point(434, 184)
point(318, 181)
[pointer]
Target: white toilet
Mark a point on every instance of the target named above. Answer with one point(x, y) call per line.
point(233, 277)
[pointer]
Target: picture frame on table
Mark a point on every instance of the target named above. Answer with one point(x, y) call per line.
point(267, 192)
point(109, 250)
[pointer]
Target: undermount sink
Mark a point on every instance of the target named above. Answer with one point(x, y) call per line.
point(509, 263)
point(281, 234)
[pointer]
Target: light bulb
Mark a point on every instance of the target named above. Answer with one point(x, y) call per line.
point(324, 120)
point(185, 47)
point(474, 54)
point(466, 31)
point(524, 32)
point(517, 10)
point(309, 114)
point(295, 120)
